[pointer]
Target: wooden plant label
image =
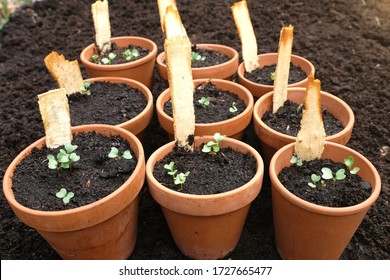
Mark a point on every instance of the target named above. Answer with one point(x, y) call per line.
point(101, 20)
point(162, 8)
point(311, 137)
point(66, 73)
point(282, 67)
point(54, 109)
point(247, 35)
point(177, 49)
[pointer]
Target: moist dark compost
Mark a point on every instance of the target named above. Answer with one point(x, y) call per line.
point(217, 105)
point(121, 55)
point(107, 103)
point(348, 48)
point(266, 75)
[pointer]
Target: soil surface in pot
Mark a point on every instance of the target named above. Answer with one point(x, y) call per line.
point(122, 54)
point(348, 191)
point(107, 103)
point(344, 43)
point(287, 119)
point(263, 75)
point(220, 104)
point(209, 174)
point(92, 177)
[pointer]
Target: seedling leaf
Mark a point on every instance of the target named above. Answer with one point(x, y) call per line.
point(127, 155)
point(113, 153)
point(340, 174)
point(326, 173)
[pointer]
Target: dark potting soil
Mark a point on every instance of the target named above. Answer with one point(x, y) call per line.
point(209, 174)
point(339, 193)
point(219, 108)
point(120, 58)
point(287, 119)
point(340, 37)
point(91, 178)
point(263, 75)
point(108, 103)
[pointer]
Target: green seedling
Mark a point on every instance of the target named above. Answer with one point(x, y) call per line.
point(349, 161)
point(95, 58)
point(297, 161)
point(131, 55)
point(205, 101)
point(114, 153)
point(178, 179)
point(197, 57)
point(233, 108)
point(65, 195)
point(85, 90)
point(64, 159)
point(314, 180)
point(272, 76)
point(109, 58)
point(213, 147)
point(327, 174)
point(299, 108)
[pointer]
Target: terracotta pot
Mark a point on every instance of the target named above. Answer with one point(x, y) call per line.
point(233, 127)
point(140, 70)
point(272, 140)
point(269, 59)
point(137, 124)
point(304, 230)
point(205, 226)
point(221, 71)
point(105, 229)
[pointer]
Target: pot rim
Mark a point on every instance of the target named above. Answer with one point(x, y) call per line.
point(248, 109)
point(114, 67)
point(258, 119)
point(325, 210)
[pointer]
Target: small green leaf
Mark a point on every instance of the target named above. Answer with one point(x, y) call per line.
point(113, 153)
point(233, 108)
point(95, 57)
point(63, 158)
point(355, 170)
point(312, 185)
point(62, 193)
point(326, 173)
point(65, 165)
point(340, 174)
point(172, 173)
point(111, 56)
point(169, 166)
point(67, 198)
point(127, 155)
point(315, 178)
point(349, 161)
point(206, 148)
point(272, 76)
point(105, 60)
point(135, 52)
point(74, 157)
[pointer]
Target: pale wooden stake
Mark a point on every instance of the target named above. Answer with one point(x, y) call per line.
point(54, 109)
point(247, 35)
point(311, 137)
point(162, 8)
point(101, 20)
point(66, 73)
point(282, 67)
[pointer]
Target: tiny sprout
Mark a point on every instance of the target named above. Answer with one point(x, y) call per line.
point(85, 90)
point(205, 101)
point(314, 180)
point(233, 108)
point(296, 160)
point(131, 55)
point(114, 153)
point(64, 158)
point(109, 58)
point(213, 147)
point(299, 108)
point(178, 179)
point(327, 174)
point(95, 58)
point(272, 76)
point(65, 195)
point(349, 161)
point(197, 57)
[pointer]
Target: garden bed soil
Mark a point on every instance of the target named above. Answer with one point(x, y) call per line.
point(92, 177)
point(263, 75)
point(219, 107)
point(287, 120)
point(348, 48)
point(120, 58)
point(349, 191)
point(209, 174)
point(108, 103)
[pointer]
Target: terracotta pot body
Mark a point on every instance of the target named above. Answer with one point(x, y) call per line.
point(304, 230)
point(269, 59)
point(272, 140)
point(105, 229)
point(140, 70)
point(233, 127)
point(205, 226)
point(221, 71)
point(137, 124)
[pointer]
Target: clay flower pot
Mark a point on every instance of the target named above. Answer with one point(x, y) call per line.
point(205, 226)
point(137, 124)
point(304, 230)
point(105, 229)
point(268, 59)
point(272, 140)
point(140, 70)
point(221, 71)
point(233, 127)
